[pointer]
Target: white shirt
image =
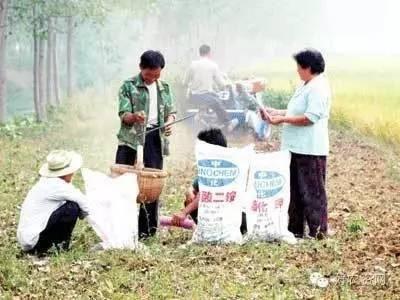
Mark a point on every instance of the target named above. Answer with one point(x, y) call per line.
point(202, 75)
point(153, 107)
point(46, 196)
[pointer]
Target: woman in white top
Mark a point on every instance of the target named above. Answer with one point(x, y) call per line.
point(305, 135)
point(52, 207)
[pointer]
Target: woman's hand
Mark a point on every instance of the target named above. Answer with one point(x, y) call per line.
point(270, 110)
point(275, 112)
point(273, 116)
point(276, 120)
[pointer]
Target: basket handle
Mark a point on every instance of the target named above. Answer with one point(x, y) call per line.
point(139, 158)
point(139, 150)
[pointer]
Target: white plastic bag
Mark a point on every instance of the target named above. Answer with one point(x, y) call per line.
point(113, 208)
point(268, 197)
point(222, 174)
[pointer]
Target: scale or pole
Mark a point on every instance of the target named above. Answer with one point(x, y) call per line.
point(165, 125)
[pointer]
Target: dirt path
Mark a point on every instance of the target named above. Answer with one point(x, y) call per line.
point(364, 206)
point(361, 184)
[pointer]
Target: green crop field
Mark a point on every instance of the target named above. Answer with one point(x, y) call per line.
point(366, 91)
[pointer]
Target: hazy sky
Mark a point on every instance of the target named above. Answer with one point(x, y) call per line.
point(363, 26)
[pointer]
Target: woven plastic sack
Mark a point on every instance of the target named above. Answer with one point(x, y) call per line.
point(268, 200)
point(222, 174)
point(112, 208)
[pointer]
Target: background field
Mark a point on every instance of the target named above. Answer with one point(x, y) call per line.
point(366, 91)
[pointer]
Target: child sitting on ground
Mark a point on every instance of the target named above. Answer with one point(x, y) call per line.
point(212, 136)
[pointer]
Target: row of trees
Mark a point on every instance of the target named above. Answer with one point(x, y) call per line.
point(99, 40)
point(44, 21)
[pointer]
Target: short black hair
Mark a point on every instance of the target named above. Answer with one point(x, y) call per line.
point(152, 60)
point(213, 136)
point(310, 58)
point(204, 50)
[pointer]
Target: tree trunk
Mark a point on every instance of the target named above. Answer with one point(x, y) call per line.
point(69, 56)
point(38, 111)
point(41, 76)
point(102, 67)
point(49, 62)
point(3, 40)
point(55, 66)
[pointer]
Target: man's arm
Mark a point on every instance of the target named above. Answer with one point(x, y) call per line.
point(126, 110)
point(67, 192)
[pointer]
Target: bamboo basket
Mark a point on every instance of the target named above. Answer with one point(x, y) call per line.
point(151, 181)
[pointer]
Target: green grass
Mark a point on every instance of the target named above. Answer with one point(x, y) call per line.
point(356, 225)
point(167, 270)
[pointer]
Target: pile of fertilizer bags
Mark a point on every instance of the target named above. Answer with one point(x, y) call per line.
point(231, 181)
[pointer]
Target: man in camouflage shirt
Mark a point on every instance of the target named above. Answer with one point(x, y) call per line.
point(145, 102)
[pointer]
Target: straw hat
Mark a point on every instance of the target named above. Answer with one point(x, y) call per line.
point(61, 163)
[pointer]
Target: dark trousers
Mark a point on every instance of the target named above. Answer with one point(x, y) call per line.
point(308, 200)
point(243, 225)
point(59, 228)
point(148, 213)
point(211, 100)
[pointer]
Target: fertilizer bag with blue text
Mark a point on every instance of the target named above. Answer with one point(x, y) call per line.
point(268, 193)
point(222, 174)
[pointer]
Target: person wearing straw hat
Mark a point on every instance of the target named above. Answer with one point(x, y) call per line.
point(52, 206)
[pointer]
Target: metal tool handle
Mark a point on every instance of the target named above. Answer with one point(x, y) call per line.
point(165, 125)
